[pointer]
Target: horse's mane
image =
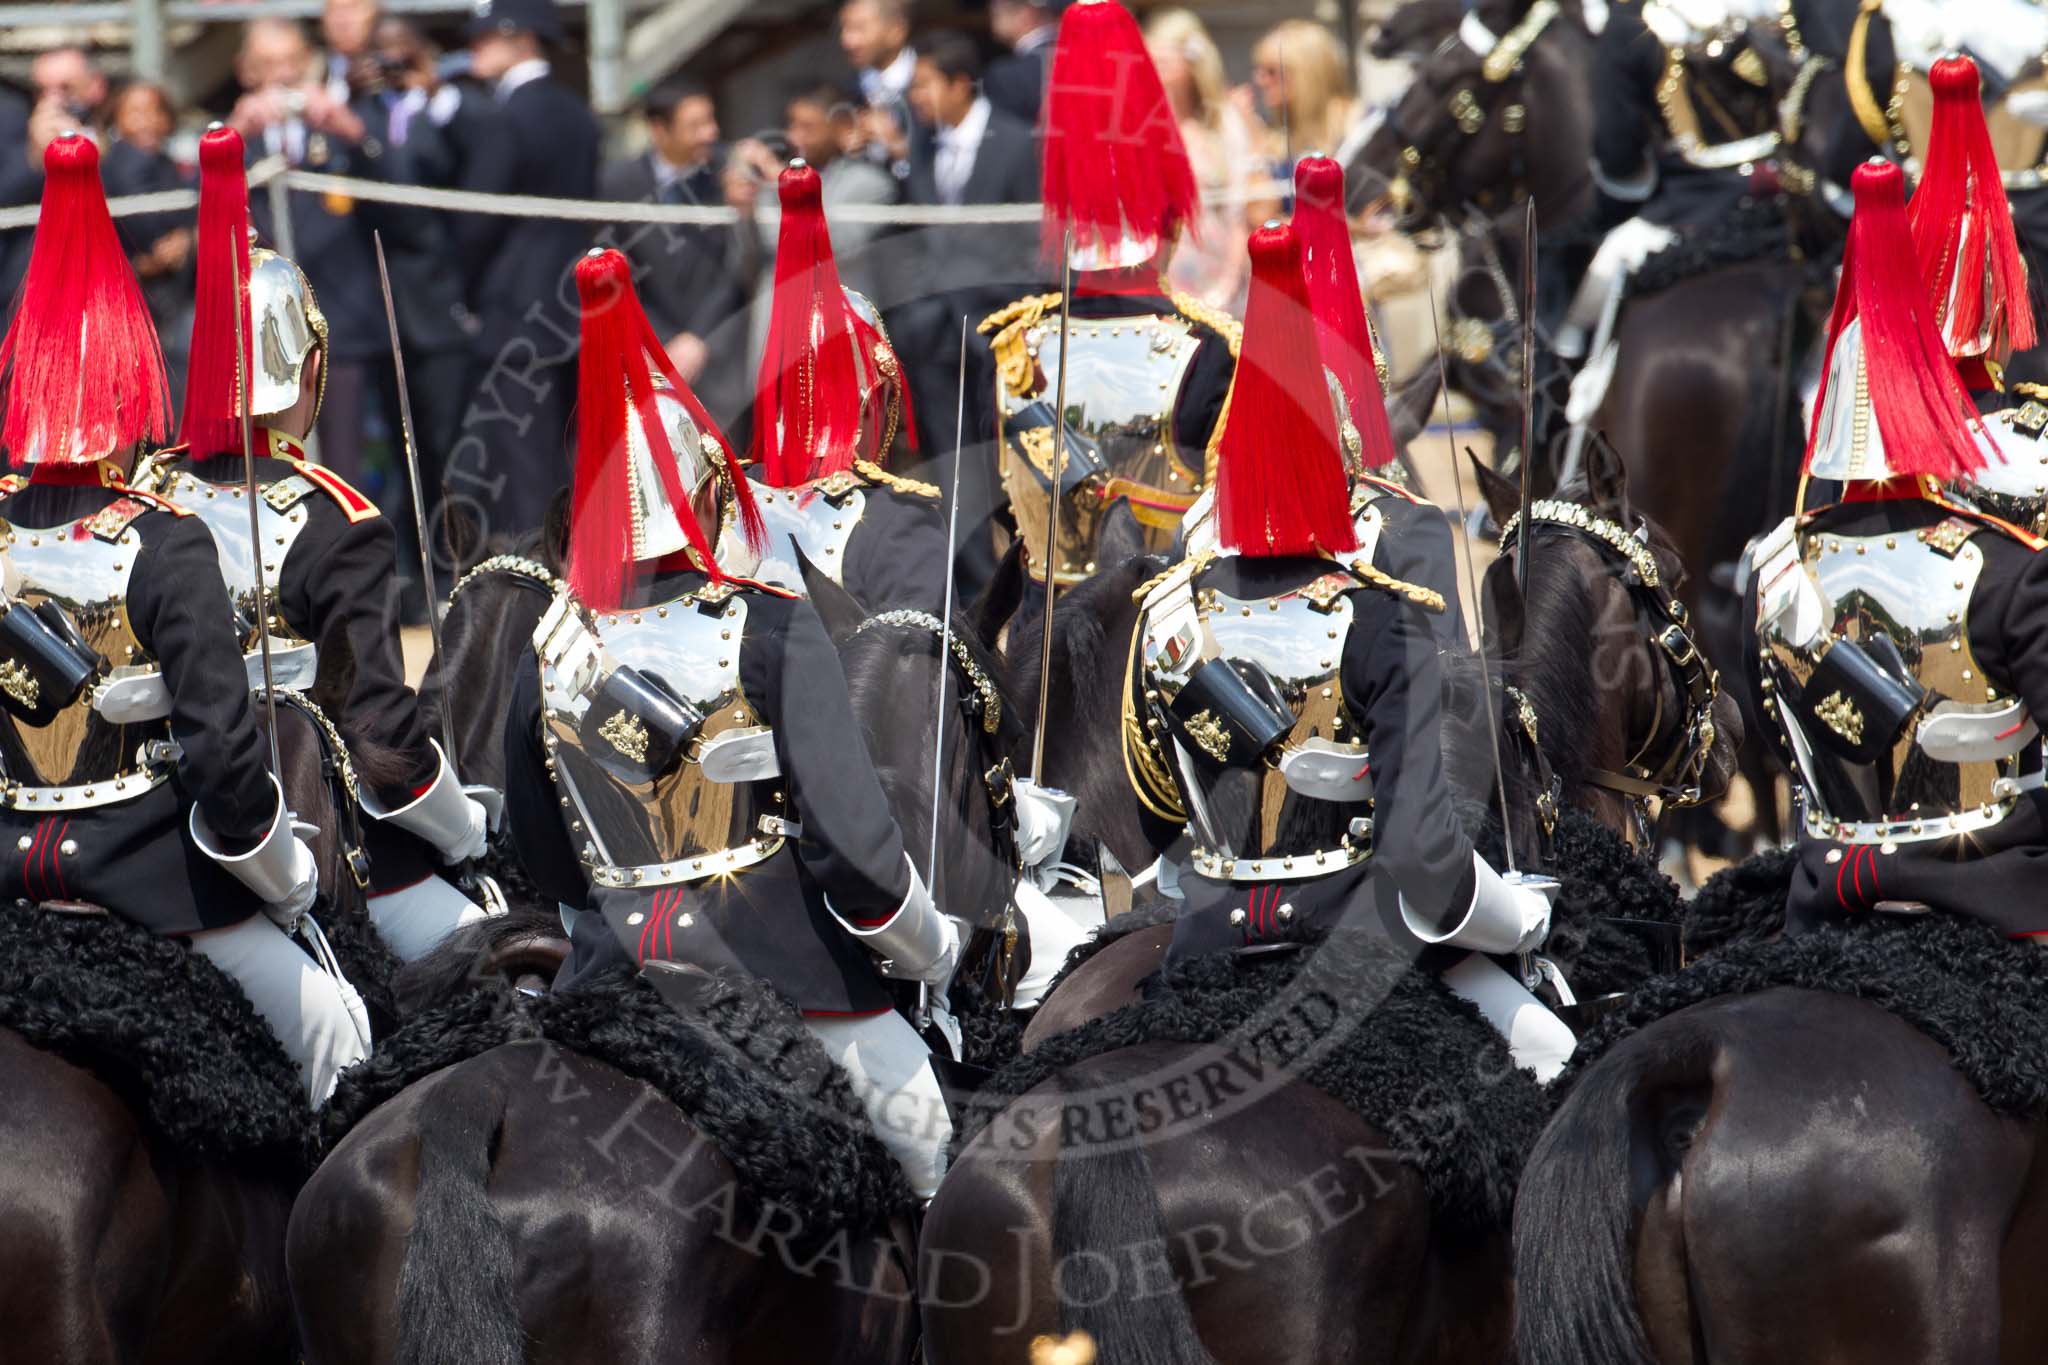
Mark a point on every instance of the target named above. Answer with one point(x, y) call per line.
point(1080, 635)
point(1554, 669)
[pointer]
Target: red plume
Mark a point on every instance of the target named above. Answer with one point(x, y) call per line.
point(1280, 486)
point(615, 382)
point(1115, 165)
point(807, 397)
point(1929, 424)
point(1339, 303)
point(84, 373)
point(213, 414)
point(1962, 222)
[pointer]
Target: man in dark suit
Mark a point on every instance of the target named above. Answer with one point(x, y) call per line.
point(978, 155)
point(687, 275)
point(284, 111)
point(539, 138)
point(1015, 81)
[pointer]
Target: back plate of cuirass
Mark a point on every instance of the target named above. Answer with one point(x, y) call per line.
point(679, 826)
point(1248, 823)
point(1907, 592)
point(1124, 377)
point(817, 520)
point(87, 577)
point(225, 510)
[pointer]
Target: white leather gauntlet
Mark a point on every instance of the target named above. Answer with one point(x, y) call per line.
point(1044, 815)
point(443, 815)
point(279, 870)
point(917, 943)
point(1504, 917)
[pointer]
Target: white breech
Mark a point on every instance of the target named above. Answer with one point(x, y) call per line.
point(1053, 933)
point(413, 920)
point(319, 1018)
point(1537, 1039)
point(892, 1076)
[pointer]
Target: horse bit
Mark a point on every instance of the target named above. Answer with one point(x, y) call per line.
point(1677, 778)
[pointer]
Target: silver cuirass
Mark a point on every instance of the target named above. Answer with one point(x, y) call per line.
point(1124, 376)
point(92, 753)
point(1950, 753)
point(1301, 808)
point(281, 516)
point(817, 518)
point(2013, 485)
point(718, 805)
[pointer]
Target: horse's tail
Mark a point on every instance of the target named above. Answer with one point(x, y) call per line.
point(455, 1301)
point(1605, 1156)
point(1105, 1212)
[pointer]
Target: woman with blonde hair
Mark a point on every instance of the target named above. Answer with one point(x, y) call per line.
point(1211, 263)
point(1304, 85)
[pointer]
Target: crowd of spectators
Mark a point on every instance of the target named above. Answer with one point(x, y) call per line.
point(942, 116)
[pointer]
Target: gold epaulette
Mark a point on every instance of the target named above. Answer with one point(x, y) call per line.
point(1187, 568)
point(1014, 363)
point(874, 473)
point(153, 468)
point(1212, 317)
point(1427, 598)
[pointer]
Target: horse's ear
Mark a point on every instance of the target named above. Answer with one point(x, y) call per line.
point(1503, 495)
point(461, 533)
point(1001, 598)
point(554, 539)
point(1120, 539)
point(1409, 408)
point(836, 606)
point(1606, 478)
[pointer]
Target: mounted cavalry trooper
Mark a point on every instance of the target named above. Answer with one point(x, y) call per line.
point(1290, 698)
point(1148, 371)
point(684, 762)
point(1976, 279)
point(134, 777)
point(1669, 157)
point(1398, 530)
point(328, 555)
point(829, 404)
point(1903, 637)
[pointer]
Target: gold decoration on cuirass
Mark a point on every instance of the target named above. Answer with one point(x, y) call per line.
point(18, 683)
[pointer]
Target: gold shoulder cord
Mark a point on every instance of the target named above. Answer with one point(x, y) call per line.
point(1144, 764)
point(1427, 598)
point(1014, 364)
point(1861, 99)
point(1232, 332)
point(875, 474)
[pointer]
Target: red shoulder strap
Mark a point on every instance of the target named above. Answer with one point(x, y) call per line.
point(353, 504)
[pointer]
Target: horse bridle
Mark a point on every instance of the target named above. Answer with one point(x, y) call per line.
point(1677, 775)
point(1497, 67)
point(527, 573)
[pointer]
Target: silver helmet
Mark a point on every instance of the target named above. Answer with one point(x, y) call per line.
point(285, 327)
point(657, 525)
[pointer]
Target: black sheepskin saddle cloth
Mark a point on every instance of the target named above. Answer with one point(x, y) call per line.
point(162, 1027)
point(1351, 1018)
point(741, 1066)
point(1752, 232)
point(1959, 981)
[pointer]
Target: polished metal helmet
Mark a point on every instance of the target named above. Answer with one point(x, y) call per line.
point(285, 327)
point(1347, 430)
point(881, 379)
point(657, 528)
point(1848, 444)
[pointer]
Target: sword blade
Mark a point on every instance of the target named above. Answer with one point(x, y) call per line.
point(1493, 705)
point(1528, 461)
point(242, 397)
point(946, 619)
point(419, 503)
point(1052, 498)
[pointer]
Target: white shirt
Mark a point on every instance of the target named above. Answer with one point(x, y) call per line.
point(887, 84)
point(521, 73)
point(954, 161)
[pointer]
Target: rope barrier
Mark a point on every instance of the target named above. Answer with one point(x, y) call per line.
point(274, 168)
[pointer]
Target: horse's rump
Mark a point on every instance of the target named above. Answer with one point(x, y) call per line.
point(741, 1067)
point(163, 1028)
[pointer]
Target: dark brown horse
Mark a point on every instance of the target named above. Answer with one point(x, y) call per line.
point(471, 1219)
point(117, 1246)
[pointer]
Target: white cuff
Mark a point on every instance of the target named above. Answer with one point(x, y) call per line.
point(1499, 919)
point(444, 815)
point(916, 941)
point(271, 869)
point(1044, 815)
